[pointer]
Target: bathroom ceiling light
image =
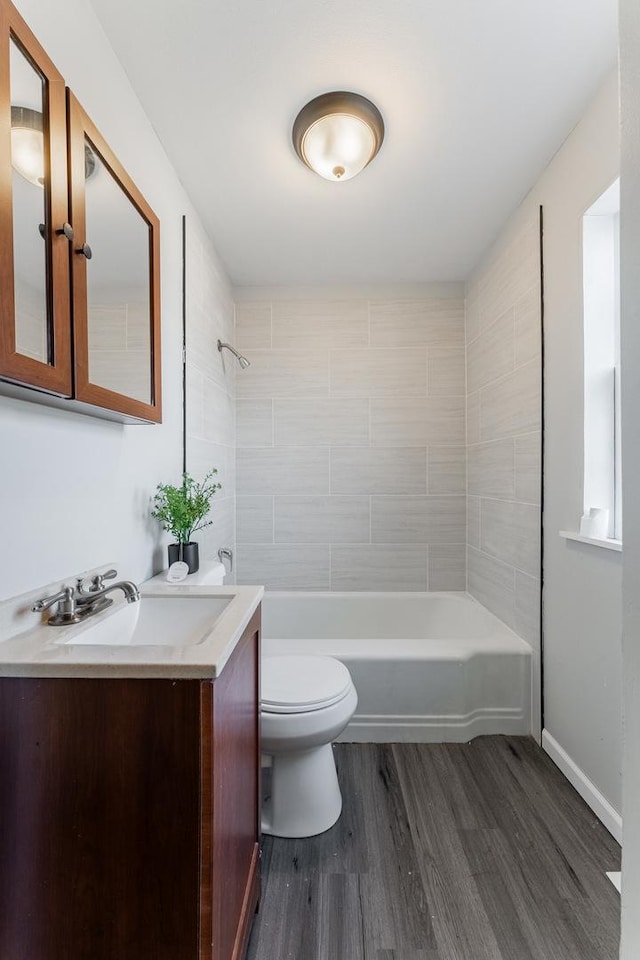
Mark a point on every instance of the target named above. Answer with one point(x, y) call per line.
point(27, 146)
point(338, 134)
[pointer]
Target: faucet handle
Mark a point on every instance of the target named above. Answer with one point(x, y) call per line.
point(225, 553)
point(64, 596)
point(97, 582)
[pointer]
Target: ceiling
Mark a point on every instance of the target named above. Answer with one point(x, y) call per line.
point(477, 95)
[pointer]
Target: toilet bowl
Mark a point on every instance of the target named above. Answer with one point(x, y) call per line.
point(306, 703)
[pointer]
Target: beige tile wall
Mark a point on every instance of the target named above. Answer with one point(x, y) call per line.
point(211, 378)
point(503, 339)
point(119, 346)
point(351, 459)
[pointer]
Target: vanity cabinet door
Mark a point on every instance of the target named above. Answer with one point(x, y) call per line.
point(231, 801)
point(115, 269)
point(99, 818)
point(35, 331)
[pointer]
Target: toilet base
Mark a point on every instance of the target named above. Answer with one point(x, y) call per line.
point(305, 795)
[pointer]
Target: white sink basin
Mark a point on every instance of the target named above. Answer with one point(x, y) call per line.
point(162, 621)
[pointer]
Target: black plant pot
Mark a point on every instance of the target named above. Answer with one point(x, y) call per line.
point(187, 552)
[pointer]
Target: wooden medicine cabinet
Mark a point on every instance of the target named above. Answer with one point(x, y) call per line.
point(35, 321)
point(79, 250)
point(115, 278)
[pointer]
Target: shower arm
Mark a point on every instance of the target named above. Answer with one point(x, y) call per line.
point(227, 346)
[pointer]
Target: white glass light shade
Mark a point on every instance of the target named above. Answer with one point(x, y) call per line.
point(27, 147)
point(27, 153)
point(338, 134)
point(338, 146)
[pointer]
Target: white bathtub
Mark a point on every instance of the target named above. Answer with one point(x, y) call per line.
point(428, 667)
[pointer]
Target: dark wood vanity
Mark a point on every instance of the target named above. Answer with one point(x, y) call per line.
point(80, 250)
point(129, 814)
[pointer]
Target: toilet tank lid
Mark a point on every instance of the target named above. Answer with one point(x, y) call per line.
point(297, 683)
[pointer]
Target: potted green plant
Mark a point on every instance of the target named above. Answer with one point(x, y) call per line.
point(182, 511)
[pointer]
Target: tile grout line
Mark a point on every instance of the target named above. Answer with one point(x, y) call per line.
point(331, 568)
point(427, 571)
point(273, 423)
point(511, 436)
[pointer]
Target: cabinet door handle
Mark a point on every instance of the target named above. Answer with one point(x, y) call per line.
point(85, 250)
point(66, 230)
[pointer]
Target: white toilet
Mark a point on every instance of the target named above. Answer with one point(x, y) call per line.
point(306, 703)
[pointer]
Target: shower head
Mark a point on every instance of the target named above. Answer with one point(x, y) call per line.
point(243, 362)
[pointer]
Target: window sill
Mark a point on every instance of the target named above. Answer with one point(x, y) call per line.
point(606, 544)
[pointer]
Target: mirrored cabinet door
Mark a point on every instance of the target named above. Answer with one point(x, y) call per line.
point(35, 335)
point(115, 278)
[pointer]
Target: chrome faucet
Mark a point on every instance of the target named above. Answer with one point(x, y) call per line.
point(131, 593)
point(78, 603)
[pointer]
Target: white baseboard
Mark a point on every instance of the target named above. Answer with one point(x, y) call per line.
point(452, 728)
point(603, 810)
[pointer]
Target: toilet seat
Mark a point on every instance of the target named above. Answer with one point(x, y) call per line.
point(302, 684)
point(307, 701)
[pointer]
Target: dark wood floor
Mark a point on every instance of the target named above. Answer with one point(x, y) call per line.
point(479, 851)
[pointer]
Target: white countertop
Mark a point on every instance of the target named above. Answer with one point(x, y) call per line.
point(43, 651)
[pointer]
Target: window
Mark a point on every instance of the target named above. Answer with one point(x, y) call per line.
point(601, 288)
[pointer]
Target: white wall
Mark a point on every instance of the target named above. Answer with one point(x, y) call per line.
point(582, 584)
point(630, 353)
point(211, 384)
point(74, 491)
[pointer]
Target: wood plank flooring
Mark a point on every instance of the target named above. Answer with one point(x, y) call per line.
point(478, 851)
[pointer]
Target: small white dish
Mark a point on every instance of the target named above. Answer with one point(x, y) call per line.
point(177, 572)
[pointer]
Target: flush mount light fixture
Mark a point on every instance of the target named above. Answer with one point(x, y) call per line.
point(27, 146)
point(338, 134)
